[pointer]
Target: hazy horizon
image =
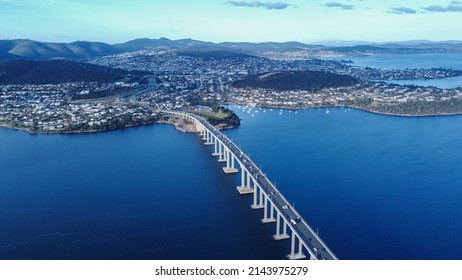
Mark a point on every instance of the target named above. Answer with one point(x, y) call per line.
point(331, 42)
point(231, 21)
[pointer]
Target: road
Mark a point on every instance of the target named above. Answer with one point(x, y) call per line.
point(133, 94)
point(305, 233)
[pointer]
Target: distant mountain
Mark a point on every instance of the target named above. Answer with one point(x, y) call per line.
point(212, 53)
point(397, 48)
point(295, 80)
point(269, 46)
point(164, 43)
point(407, 43)
point(422, 42)
point(159, 44)
point(144, 44)
point(5, 47)
point(425, 44)
point(344, 43)
point(56, 71)
point(361, 48)
point(29, 49)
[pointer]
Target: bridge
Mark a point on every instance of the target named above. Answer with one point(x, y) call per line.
point(276, 208)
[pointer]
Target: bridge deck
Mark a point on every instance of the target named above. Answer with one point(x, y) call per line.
point(311, 241)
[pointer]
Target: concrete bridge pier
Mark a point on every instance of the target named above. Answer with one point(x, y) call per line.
point(221, 153)
point(257, 203)
point(244, 188)
point(204, 134)
point(299, 254)
point(199, 128)
point(304, 242)
point(209, 138)
point(279, 235)
point(229, 169)
point(271, 218)
point(216, 143)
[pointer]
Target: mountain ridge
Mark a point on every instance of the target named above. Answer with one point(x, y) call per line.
point(81, 50)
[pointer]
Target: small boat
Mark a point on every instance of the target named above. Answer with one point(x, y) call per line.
point(327, 111)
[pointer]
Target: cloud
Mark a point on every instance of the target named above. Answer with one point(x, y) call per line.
point(338, 5)
point(443, 9)
point(402, 10)
point(454, 6)
point(258, 4)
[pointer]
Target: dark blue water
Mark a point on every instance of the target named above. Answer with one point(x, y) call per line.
point(376, 187)
point(142, 193)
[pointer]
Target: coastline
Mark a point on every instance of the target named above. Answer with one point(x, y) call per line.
point(189, 129)
point(353, 107)
point(400, 115)
point(72, 132)
point(185, 128)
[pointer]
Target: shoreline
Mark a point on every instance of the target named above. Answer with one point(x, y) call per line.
point(72, 132)
point(401, 115)
point(353, 107)
point(180, 127)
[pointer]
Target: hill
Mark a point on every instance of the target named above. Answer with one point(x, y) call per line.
point(160, 44)
point(295, 80)
point(80, 50)
point(211, 53)
point(28, 49)
point(269, 46)
point(56, 71)
point(359, 48)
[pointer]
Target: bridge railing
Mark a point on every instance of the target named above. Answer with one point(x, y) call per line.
point(302, 220)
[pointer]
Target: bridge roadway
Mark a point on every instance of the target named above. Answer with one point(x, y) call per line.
point(300, 229)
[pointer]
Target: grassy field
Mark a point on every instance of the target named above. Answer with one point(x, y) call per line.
point(212, 115)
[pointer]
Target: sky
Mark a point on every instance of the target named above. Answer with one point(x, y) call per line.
point(117, 21)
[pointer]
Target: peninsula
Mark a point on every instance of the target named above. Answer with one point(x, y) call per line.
point(130, 85)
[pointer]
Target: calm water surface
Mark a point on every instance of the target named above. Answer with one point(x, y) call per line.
point(141, 193)
point(376, 187)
